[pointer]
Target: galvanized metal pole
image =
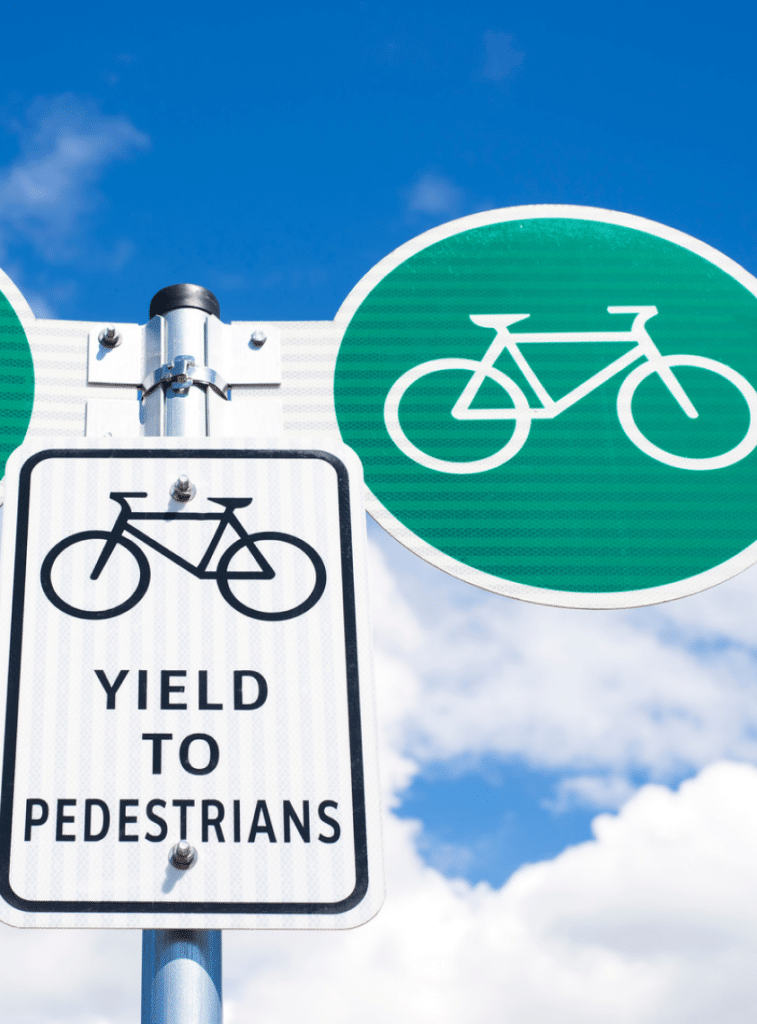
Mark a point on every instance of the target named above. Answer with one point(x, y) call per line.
point(181, 970)
point(181, 977)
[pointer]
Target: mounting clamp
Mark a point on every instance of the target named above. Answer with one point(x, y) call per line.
point(182, 374)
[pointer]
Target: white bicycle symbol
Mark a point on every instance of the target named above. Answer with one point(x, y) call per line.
point(524, 414)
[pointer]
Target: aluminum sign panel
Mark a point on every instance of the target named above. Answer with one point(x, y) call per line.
point(187, 670)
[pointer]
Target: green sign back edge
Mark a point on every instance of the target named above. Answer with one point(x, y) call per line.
point(17, 396)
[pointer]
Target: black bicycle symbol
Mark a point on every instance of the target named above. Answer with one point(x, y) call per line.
point(222, 574)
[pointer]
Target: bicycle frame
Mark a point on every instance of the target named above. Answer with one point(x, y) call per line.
point(226, 518)
point(645, 349)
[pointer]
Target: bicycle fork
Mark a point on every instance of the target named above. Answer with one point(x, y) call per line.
point(109, 546)
point(653, 355)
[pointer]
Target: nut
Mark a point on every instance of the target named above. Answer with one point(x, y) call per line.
point(183, 489)
point(183, 855)
point(109, 337)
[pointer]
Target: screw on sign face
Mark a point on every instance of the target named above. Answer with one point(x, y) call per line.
point(558, 404)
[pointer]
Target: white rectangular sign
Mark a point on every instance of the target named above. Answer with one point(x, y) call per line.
point(187, 670)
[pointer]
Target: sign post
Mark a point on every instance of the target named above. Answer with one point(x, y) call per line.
point(181, 970)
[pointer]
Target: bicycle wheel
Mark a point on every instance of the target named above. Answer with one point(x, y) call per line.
point(735, 454)
point(267, 573)
point(521, 416)
point(77, 577)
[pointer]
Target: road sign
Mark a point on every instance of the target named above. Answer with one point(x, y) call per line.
point(554, 403)
point(17, 395)
point(188, 666)
point(558, 403)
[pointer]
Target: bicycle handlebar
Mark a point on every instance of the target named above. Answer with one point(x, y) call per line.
point(121, 496)
point(501, 321)
point(643, 313)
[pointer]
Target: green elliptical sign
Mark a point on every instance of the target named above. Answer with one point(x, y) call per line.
point(558, 403)
point(17, 393)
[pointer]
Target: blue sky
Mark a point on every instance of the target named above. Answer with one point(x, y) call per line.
point(274, 153)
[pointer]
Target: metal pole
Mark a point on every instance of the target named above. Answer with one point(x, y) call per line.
point(181, 970)
point(181, 977)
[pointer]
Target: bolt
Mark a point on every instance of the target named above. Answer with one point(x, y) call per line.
point(183, 855)
point(258, 338)
point(109, 337)
point(183, 489)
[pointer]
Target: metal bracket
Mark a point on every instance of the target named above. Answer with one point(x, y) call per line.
point(243, 359)
point(120, 366)
point(182, 374)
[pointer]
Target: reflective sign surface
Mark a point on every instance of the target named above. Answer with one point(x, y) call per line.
point(187, 670)
point(558, 404)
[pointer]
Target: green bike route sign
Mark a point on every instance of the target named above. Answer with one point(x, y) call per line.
point(17, 392)
point(557, 403)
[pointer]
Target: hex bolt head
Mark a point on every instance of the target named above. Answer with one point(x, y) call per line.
point(183, 855)
point(183, 489)
point(109, 337)
point(258, 338)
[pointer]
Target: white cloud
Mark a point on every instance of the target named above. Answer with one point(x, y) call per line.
point(52, 976)
point(434, 194)
point(606, 792)
point(655, 921)
point(66, 143)
point(652, 922)
point(501, 55)
point(597, 693)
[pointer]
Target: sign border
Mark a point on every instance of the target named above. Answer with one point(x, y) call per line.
point(486, 581)
point(355, 730)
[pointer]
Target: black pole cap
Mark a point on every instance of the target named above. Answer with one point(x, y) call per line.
point(184, 296)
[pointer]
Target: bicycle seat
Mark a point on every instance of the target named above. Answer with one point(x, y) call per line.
point(232, 502)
